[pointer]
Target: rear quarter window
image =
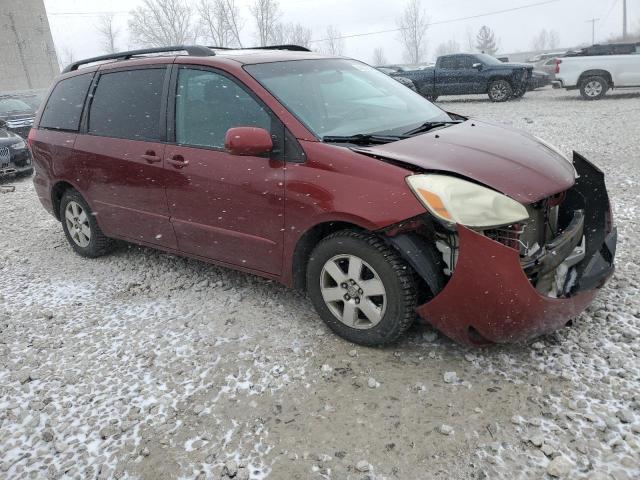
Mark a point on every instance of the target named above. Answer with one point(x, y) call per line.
point(64, 107)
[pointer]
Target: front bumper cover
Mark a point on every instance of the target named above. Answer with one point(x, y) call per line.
point(490, 299)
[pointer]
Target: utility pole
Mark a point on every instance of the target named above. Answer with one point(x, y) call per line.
point(624, 19)
point(593, 29)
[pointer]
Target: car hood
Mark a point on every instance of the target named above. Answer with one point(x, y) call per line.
point(508, 160)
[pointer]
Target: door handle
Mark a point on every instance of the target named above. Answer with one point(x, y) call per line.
point(178, 161)
point(151, 157)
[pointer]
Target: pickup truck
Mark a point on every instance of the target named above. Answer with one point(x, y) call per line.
point(467, 74)
point(595, 75)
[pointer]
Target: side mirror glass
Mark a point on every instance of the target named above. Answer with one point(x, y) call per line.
point(248, 141)
point(477, 66)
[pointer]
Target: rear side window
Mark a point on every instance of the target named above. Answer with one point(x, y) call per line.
point(450, 63)
point(64, 107)
point(127, 104)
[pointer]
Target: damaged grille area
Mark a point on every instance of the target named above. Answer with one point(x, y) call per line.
point(548, 249)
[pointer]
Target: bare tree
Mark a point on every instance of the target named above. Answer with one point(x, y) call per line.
point(220, 21)
point(158, 23)
point(486, 41)
point(298, 34)
point(378, 57)
point(333, 43)
point(448, 47)
point(540, 41)
point(413, 26)
point(108, 32)
point(471, 40)
point(553, 39)
point(290, 34)
point(266, 14)
point(65, 56)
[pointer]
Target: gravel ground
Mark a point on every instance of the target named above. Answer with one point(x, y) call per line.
point(145, 365)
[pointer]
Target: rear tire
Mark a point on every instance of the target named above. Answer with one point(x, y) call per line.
point(361, 288)
point(594, 88)
point(81, 228)
point(500, 91)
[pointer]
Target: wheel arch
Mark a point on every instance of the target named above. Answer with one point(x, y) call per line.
point(596, 73)
point(308, 241)
point(57, 192)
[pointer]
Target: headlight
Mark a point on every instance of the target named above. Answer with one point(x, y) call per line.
point(19, 145)
point(453, 200)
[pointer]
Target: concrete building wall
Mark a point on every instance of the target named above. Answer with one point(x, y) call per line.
point(27, 54)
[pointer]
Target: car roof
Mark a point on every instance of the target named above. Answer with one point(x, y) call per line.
point(249, 57)
point(197, 53)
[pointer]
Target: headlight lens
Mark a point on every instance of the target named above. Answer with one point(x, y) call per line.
point(19, 145)
point(453, 200)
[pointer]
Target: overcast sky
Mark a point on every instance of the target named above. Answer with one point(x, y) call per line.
point(73, 22)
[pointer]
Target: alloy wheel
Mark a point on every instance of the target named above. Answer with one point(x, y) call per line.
point(593, 88)
point(353, 291)
point(78, 224)
point(499, 91)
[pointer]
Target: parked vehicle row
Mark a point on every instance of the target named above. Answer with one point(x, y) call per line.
point(463, 74)
point(593, 70)
point(326, 174)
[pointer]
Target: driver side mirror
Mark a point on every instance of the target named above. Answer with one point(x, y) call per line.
point(248, 141)
point(477, 66)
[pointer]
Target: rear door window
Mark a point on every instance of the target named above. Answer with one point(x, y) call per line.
point(64, 107)
point(127, 104)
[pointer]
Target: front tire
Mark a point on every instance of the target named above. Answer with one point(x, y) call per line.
point(361, 288)
point(500, 91)
point(594, 88)
point(81, 228)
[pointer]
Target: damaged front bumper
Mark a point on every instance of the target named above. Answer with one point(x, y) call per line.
point(491, 297)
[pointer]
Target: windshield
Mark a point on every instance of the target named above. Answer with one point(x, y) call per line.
point(345, 97)
point(12, 105)
point(488, 59)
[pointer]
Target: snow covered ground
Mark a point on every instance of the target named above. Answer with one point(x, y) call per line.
point(145, 365)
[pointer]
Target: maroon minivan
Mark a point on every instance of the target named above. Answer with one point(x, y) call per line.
point(325, 174)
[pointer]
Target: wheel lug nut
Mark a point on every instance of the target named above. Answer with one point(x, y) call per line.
point(343, 285)
point(360, 291)
point(352, 282)
point(357, 300)
point(347, 297)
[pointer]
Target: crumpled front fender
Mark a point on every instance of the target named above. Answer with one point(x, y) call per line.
point(490, 299)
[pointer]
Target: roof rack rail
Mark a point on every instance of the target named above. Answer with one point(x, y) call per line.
point(196, 50)
point(293, 48)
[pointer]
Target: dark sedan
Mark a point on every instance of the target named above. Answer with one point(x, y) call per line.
point(17, 114)
point(15, 157)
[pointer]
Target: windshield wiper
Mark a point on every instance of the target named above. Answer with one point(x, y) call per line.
point(425, 127)
point(363, 138)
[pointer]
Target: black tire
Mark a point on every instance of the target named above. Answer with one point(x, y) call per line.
point(98, 244)
point(396, 275)
point(594, 88)
point(520, 92)
point(500, 91)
